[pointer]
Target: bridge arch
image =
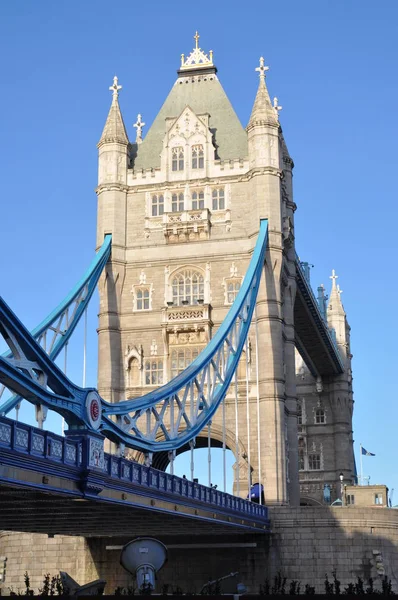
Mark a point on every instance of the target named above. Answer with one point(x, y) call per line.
point(161, 459)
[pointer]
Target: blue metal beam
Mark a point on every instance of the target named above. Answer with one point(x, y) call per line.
point(160, 420)
point(61, 322)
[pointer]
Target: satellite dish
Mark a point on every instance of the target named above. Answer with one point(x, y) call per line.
point(143, 557)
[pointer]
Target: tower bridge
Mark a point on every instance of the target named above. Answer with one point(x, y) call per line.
point(209, 334)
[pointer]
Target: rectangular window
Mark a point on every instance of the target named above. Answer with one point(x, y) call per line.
point(143, 299)
point(301, 460)
point(182, 357)
point(350, 499)
point(153, 372)
point(314, 462)
point(378, 499)
point(177, 159)
point(198, 200)
point(177, 202)
point(157, 205)
point(233, 288)
point(218, 199)
point(197, 157)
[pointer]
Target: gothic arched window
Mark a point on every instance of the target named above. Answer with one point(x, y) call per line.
point(177, 159)
point(133, 373)
point(218, 199)
point(157, 205)
point(198, 199)
point(188, 287)
point(198, 160)
point(177, 202)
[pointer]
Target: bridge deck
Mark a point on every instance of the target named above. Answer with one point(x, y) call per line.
point(48, 484)
point(313, 339)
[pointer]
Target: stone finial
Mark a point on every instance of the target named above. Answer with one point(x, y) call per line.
point(115, 87)
point(333, 277)
point(276, 107)
point(262, 69)
point(233, 270)
point(197, 58)
point(139, 124)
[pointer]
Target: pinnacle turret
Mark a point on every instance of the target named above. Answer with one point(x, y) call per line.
point(263, 112)
point(335, 306)
point(114, 130)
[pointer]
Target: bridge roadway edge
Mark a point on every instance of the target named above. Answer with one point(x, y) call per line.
point(304, 544)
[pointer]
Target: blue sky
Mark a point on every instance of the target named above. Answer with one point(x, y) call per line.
point(332, 66)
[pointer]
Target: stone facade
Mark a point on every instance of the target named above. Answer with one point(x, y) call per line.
point(365, 495)
point(305, 543)
point(183, 206)
point(39, 554)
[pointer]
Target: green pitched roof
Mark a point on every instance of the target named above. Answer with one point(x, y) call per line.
point(203, 96)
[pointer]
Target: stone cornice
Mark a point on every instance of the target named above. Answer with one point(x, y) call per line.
point(109, 187)
point(193, 183)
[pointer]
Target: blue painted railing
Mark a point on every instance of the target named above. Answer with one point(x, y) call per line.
point(54, 450)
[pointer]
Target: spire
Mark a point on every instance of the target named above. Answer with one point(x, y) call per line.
point(335, 306)
point(263, 112)
point(114, 130)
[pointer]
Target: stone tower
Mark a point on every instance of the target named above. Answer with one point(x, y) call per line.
point(325, 410)
point(183, 205)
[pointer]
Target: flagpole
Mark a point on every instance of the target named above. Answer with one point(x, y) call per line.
point(360, 446)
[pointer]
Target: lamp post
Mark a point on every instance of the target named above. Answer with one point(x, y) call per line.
point(341, 488)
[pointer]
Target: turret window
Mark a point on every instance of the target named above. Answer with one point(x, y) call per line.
point(188, 287)
point(177, 159)
point(153, 372)
point(218, 197)
point(198, 200)
point(197, 157)
point(177, 202)
point(319, 416)
point(157, 205)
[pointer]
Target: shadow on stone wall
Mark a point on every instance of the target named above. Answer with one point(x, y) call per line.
point(305, 543)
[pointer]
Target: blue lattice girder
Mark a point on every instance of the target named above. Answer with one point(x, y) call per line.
point(55, 331)
point(31, 374)
point(164, 419)
point(180, 409)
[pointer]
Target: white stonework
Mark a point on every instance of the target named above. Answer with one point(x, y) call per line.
point(183, 206)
